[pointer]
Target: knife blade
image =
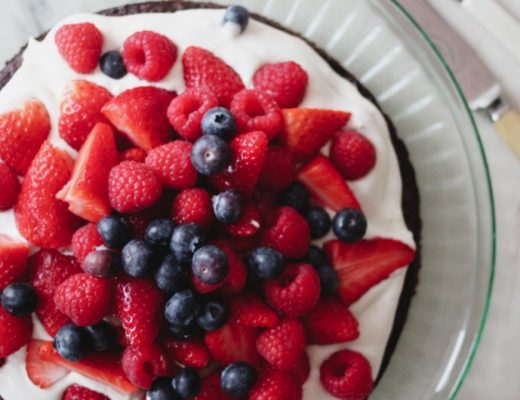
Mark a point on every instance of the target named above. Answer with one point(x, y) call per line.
point(478, 84)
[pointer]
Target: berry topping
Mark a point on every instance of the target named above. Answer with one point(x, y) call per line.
point(212, 316)
point(227, 206)
point(138, 258)
point(274, 384)
point(15, 332)
point(170, 277)
point(210, 265)
point(77, 392)
point(349, 225)
point(265, 263)
point(114, 231)
point(149, 55)
point(111, 64)
point(329, 280)
point(80, 46)
point(182, 308)
point(102, 337)
point(352, 154)
point(19, 299)
point(186, 383)
point(188, 352)
point(233, 343)
point(347, 375)
point(71, 342)
point(210, 155)
point(159, 232)
point(295, 196)
point(132, 187)
point(10, 188)
point(22, 132)
point(186, 240)
point(237, 15)
point(203, 69)
point(220, 122)
point(250, 310)
point(286, 82)
point(319, 221)
point(143, 363)
point(193, 206)
point(13, 259)
point(279, 169)
point(237, 379)
point(42, 373)
point(161, 389)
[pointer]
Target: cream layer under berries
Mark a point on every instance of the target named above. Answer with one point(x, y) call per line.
point(184, 221)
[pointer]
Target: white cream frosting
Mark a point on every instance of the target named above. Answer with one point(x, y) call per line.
point(44, 74)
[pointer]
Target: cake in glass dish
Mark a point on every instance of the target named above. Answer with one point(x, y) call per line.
point(197, 203)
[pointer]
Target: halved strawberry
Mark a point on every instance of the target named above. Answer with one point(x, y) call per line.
point(187, 352)
point(306, 130)
point(41, 218)
point(140, 113)
point(13, 259)
point(233, 343)
point(87, 190)
point(366, 263)
point(326, 185)
point(250, 310)
point(15, 332)
point(42, 373)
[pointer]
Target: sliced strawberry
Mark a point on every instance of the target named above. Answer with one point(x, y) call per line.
point(306, 130)
point(366, 263)
point(42, 373)
point(13, 260)
point(15, 332)
point(87, 191)
point(250, 310)
point(233, 343)
point(187, 352)
point(140, 113)
point(326, 185)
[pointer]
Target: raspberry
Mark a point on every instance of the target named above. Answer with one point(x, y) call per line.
point(188, 352)
point(186, 111)
point(236, 278)
point(15, 332)
point(256, 110)
point(249, 222)
point(149, 55)
point(347, 375)
point(283, 345)
point(296, 291)
point(279, 169)
point(77, 392)
point(84, 298)
point(80, 45)
point(250, 310)
point(85, 240)
point(302, 370)
point(193, 205)
point(143, 363)
point(133, 154)
point(352, 154)
point(132, 187)
point(172, 165)
point(273, 384)
point(10, 188)
point(289, 233)
point(286, 82)
point(211, 389)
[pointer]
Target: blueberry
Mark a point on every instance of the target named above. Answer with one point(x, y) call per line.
point(114, 231)
point(349, 225)
point(159, 232)
point(227, 206)
point(137, 258)
point(171, 277)
point(295, 196)
point(329, 279)
point(212, 315)
point(182, 308)
point(72, 342)
point(315, 256)
point(220, 122)
point(210, 265)
point(183, 332)
point(237, 379)
point(264, 262)
point(102, 337)
point(103, 263)
point(111, 64)
point(162, 389)
point(319, 221)
point(238, 15)
point(19, 299)
point(210, 155)
point(186, 383)
point(186, 240)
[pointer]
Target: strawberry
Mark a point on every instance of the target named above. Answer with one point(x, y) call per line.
point(326, 185)
point(46, 270)
point(77, 392)
point(248, 155)
point(15, 332)
point(80, 45)
point(143, 363)
point(85, 240)
point(187, 352)
point(366, 263)
point(133, 154)
point(296, 291)
point(232, 343)
point(288, 232)
point(212, 390)
point(132, 187)
point(279, 169)
point(353, 154)
point(236, 278)
point(193, 205)
point(282, 345)
point(42, 373)
point(172, 165)
point(250, 310)
point(139, 306)
point(330, 322)
point(13, 260)
point(347, 375)
point(80, 110)
point(41, 218)
point(84, 298)
point(22, 132)
point(203, 69)
point(286, 82)
point(149, 55)
point(101, 367)
point(140, 113)
point(87, 191)
point(10, 187)
point(248, 223)
point(306, 130)
point(274, 384)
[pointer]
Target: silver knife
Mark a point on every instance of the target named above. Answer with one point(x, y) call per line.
point(478, 83)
